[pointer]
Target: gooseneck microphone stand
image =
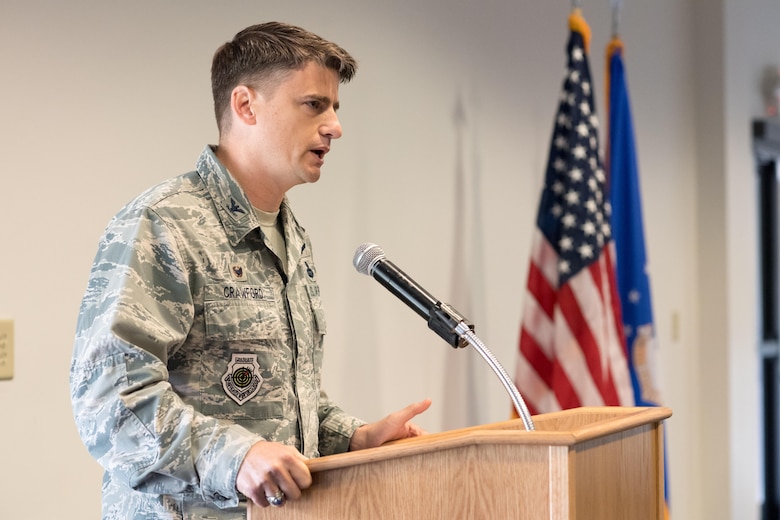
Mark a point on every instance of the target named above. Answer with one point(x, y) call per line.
point(465, 332)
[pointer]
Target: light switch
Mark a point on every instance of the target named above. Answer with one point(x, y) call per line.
point(6, 349)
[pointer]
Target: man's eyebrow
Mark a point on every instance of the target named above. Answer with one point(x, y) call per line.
point(325, 100)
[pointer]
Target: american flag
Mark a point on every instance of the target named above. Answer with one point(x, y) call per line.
point(571, 348)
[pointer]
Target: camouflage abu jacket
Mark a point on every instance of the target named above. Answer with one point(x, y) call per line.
point(191, 346)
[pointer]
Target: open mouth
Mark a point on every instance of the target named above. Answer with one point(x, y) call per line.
point(320, 151)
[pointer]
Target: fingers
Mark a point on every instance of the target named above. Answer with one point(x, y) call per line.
point(398, 425)
point(414, 431)
point(293, 478)
point(414, 409)
point(272, 473)
point(395, 426)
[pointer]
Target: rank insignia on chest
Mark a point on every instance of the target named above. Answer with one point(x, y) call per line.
point(238, 272)
point(242, 380)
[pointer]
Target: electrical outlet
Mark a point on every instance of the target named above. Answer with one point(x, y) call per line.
point(6, 349)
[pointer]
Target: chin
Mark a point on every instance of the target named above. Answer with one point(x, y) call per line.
point(313, 177)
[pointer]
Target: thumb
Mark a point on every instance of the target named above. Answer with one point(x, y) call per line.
point(415, 409)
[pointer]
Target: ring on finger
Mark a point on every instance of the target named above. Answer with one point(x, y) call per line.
point(277, 499)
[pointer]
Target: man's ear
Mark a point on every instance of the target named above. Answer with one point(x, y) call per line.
point(241, 101)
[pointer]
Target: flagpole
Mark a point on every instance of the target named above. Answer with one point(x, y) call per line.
point(616, 6)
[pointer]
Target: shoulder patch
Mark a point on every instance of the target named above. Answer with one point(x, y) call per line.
point(242, 380)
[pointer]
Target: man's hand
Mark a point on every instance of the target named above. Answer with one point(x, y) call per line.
point(269, 468)
point(395, 426)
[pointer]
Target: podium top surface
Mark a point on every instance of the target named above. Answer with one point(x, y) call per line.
point(564, 428)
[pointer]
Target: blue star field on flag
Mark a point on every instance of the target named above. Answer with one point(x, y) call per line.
point(574, 211)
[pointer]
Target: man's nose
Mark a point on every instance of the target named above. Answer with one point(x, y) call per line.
point(332, 126)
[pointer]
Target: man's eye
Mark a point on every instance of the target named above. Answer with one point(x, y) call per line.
point(314, 104)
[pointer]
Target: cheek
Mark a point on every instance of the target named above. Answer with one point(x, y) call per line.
point(279, 134)
point(272, 141)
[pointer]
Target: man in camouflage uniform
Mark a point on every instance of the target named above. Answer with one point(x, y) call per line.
point(195, 378)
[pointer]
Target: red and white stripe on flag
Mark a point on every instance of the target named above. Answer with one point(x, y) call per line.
point(571, 346)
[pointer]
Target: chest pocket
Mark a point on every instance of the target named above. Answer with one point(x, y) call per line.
point(313, 290)
point(236, 312)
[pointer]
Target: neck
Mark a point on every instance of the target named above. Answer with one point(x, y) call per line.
point(261, 190)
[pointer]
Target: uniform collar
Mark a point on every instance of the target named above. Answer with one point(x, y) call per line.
point(234, 209)
point(232, 205)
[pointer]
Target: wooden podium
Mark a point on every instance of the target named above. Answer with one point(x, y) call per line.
point(601, 463)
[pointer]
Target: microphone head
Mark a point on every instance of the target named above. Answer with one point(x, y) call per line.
point(366, 257)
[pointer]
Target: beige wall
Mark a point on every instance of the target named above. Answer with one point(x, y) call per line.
point(102, 99)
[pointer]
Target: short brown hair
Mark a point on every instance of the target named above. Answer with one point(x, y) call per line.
point(258, 52)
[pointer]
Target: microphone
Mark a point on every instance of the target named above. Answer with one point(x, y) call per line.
point(442, 318)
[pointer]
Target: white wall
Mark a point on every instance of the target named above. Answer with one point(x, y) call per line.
point(102, 99)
